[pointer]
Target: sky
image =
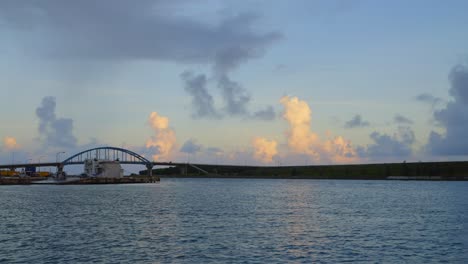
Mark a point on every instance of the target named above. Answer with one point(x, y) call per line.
point(251, 82)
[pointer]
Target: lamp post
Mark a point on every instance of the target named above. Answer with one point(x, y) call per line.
point(25, 169)
point(39, 161)
point(58, 154)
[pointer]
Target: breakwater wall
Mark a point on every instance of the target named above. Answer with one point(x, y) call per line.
point(399, 171)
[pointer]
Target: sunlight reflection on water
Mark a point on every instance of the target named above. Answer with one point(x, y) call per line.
point(236, 220)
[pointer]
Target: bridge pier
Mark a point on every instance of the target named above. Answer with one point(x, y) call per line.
point(60, 173)
point(183, 169)
point(149, 168)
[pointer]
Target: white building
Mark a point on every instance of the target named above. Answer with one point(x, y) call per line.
point(103, 168)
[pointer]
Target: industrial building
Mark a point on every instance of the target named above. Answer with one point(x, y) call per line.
point(103, 168)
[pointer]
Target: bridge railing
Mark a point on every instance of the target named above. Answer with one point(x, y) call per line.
point(124, 156)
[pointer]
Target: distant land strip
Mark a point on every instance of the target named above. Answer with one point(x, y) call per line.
point(445, 171)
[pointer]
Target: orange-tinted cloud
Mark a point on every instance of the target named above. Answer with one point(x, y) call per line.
point(340, 150)
point(9, 143)
point(302, 140)
point(298, 114)
point(264, 149)
point(158, 122)
point(164, 140)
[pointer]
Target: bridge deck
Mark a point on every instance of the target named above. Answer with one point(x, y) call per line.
point(124, 156)
point(56, 164)
point(23, 165)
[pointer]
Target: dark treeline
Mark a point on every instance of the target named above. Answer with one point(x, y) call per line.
point(437, 170)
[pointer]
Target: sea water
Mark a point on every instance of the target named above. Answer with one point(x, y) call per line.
point(236, 221)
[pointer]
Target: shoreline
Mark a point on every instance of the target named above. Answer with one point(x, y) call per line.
point(439, 171)
point(306, 177)
point(157, 179)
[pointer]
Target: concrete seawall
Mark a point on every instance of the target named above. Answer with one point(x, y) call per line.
point(77, 180)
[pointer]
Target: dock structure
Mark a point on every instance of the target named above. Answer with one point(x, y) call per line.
point(100, 167)
point(78, 180)
point(101, 180)
point(123, 156)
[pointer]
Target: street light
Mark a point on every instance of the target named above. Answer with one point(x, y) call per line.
point(26, 167)
point(39, 161)
point(58, 154)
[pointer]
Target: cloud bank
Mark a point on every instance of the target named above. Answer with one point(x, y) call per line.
point(121, 30)
point(145, 29)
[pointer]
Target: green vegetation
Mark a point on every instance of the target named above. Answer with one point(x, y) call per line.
point(437, 170)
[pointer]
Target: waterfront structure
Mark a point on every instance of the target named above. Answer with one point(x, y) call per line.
point(123, 156)
point(103, 168)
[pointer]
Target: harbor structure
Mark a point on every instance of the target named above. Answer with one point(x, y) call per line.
point(103, 168)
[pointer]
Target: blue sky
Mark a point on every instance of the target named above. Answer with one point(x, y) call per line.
point(355, 64)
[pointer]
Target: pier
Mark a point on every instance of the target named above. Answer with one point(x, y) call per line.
point(109, 154)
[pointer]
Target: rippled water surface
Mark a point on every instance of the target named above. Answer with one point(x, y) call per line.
point(236, 220)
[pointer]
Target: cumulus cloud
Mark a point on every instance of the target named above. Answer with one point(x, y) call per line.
point(400, 119)
point(302, 140)
point(454, 117)
point(264, 149)
point(245, 44)
point(191, 147)
point(339, 149)
point(235, 99)
point(298, 114)
point(55, 132)
point(9, 143)
point(202, 101)
point(459, 84)
point(384, 146)
point(234, 95)
point(164, 141)
point(357, 121)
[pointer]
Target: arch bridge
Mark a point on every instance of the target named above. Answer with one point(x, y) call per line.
point(123, 156)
